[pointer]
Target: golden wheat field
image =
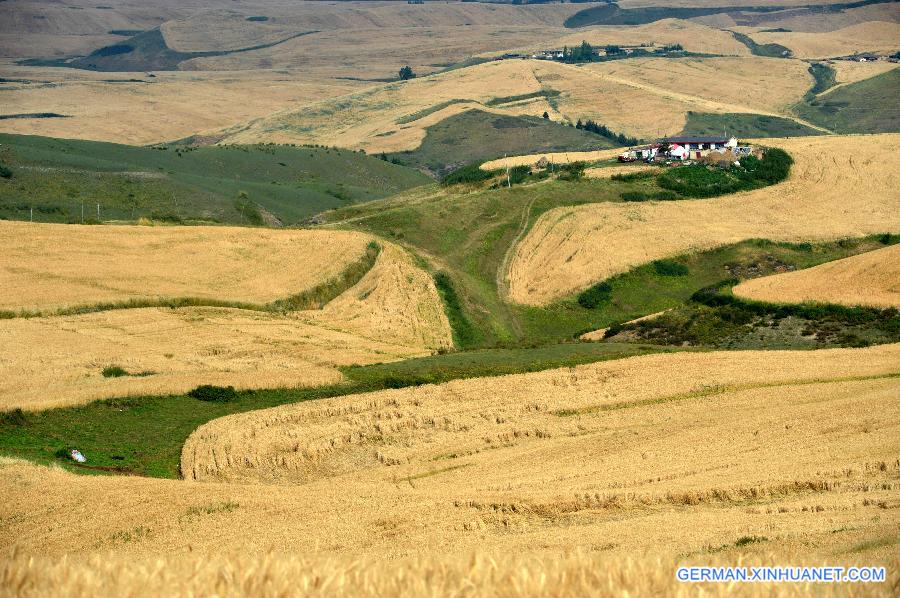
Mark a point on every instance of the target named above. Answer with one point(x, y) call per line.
point(480, 574)
point(392, 313)
point(48, 266)
point(871, 278)
point(839, 186)
point(799, 449)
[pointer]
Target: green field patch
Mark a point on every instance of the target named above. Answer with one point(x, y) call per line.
point(744, 126)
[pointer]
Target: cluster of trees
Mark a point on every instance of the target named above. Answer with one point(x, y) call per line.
point(406, 73)
point(583, 53)
point(604, 131)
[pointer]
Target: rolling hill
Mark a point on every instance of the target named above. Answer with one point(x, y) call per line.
point(257, 184)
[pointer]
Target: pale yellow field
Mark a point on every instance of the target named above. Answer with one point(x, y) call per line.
point(761, 85)
point(503, 574)
point(393, 313)
point(800, 448)
point(393, 117)
point(172, 105)
point(874, 36)
point(840, 186)
point(48, 266)
point(871, 279)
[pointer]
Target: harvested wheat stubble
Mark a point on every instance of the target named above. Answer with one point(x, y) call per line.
point(871, 279)
point(58, 361)
point(501, 464)
point(482, 574)
point(393, 313)
point(839, 186)
point(47, 266)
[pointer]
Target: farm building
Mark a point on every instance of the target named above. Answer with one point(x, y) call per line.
point(683, 147)
point(645, 152)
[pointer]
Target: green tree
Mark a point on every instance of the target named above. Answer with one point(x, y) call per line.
point(546, 115)
point(406, 73)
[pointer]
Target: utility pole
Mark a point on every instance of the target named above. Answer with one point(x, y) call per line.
point(98, 211)
point(31, 216)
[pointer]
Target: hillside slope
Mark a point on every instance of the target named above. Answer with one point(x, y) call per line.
point(241, 185)
point(838, 187)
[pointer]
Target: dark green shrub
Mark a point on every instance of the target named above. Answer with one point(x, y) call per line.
point(114, 371)
point(215, 394)
point(670, 268)
point(572, 171)
point(887, 239)
point(634, 196)
point(16, 417)
point(595, 296)
point(5, 172)
point(518, 174)
point(471, 173)
point(634, 176)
